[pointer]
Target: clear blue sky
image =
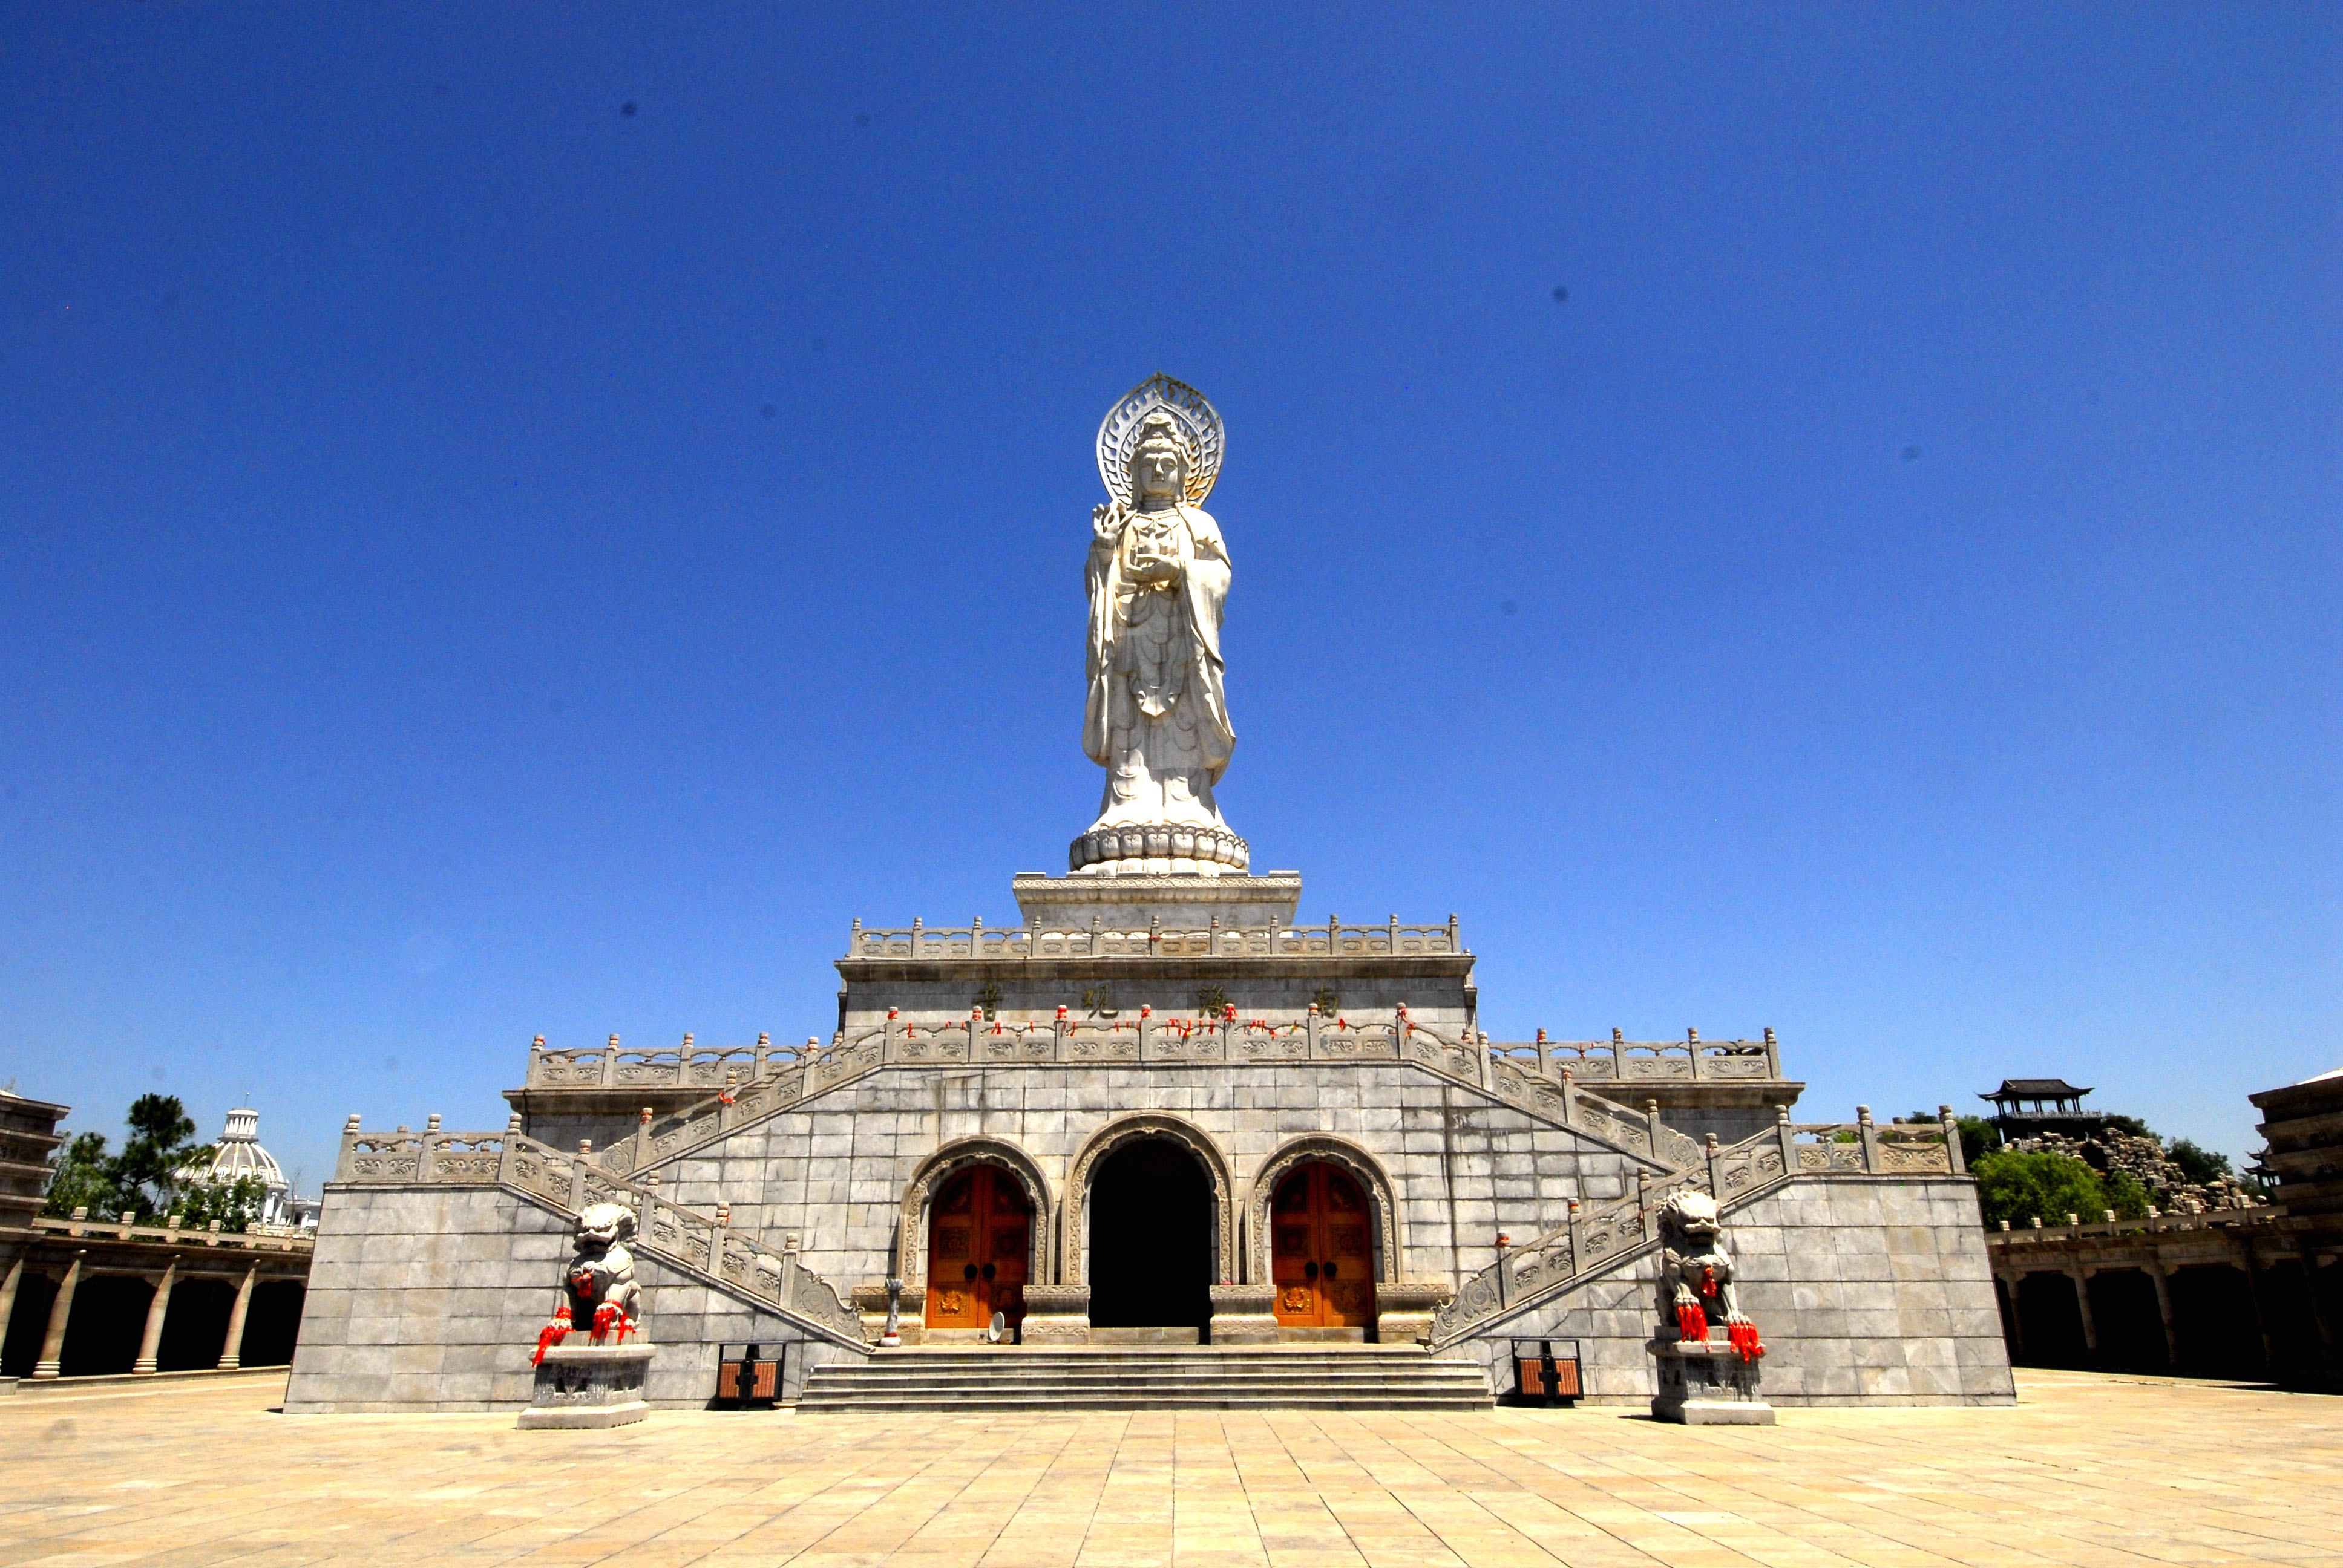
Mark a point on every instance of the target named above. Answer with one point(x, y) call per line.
point(475, 561)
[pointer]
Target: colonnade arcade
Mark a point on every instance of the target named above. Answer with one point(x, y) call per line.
point(81, 1298)
point(2248, 1293)
point(1147, 1215)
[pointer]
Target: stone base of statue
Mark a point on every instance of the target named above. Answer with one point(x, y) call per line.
point(1706, 1383)
point(1244, 1315)
point(1056, 1315)
point(1130, 900)
point(587, 1387)
point(1158, 848)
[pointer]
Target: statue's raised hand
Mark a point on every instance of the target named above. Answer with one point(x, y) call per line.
point(1106, 523)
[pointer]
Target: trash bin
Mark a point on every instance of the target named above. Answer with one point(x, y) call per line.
point(1546, 1372)
point(747, 1378)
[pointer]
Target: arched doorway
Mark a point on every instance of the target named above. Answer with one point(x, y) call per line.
point(1321, 1251)
point(272, 1324)
point(2052, 1321)
point(194, 1334)
point(979, 1250)
point(109, 1314)
point(1152, 1223)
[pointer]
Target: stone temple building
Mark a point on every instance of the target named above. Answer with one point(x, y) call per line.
point(1156, 1140)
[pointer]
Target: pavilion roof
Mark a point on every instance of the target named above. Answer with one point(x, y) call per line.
point(2034, 1089)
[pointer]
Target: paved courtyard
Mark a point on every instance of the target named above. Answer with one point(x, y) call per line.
point(2088, 1469)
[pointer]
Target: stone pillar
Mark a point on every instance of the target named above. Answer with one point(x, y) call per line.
point(8, 1291)
point(151, 1341)
point(2156, 1272)
point(52, 1344)
point(2261, 1318)
point(232, 1352)
point(2303, 1256)
point(2009, 1285)
point(2082, 1304)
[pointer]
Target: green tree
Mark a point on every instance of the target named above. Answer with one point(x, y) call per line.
point(235, 1205)
point(2199, 1164)
point(161, 1144)
point(81, 1176)
point(145, 1177)
point(1978, 1136)
point(2125, 1196)
point(2017, 1187)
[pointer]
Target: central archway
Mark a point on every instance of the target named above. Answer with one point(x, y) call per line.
point(1174, 1291)
point(1151, 1214)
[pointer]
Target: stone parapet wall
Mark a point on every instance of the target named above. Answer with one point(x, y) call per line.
point(1867, 1291)
point(430, 1298)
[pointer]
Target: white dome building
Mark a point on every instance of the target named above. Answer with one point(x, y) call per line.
point(239, 1154)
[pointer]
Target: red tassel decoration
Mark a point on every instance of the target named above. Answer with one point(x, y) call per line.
point(1744, 1339)
point(553, 1334)
point(606, 1317)
point(1692, 1323)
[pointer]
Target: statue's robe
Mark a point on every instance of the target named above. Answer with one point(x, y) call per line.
point(1170, 726)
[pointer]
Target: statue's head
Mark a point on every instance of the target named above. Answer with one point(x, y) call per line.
point(1691, 1213)
point(1161, 460)
point(601, 1226)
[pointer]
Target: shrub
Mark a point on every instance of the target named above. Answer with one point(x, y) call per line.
point(2199, 1164)
point(2125, 1196)
point(143, 1177)
point(2017, 1187)
point(235, 1205)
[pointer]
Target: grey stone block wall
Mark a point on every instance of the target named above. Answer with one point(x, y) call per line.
point(430, 1298)
point(1460, 1166)
point(1868, 1290)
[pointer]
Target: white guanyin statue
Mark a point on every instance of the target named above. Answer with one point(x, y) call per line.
point(1158, 715)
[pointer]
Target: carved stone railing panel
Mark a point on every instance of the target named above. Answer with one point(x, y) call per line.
point(1102, 1042)
point(555, 1070)
point(539, 1170)
point(1272, 1044)
point(1647, 1062)
point(933, 943)
point(1829, 1146)
point(1902, 1150)
point(376, 1158)
point(1754, 1164)
point(1605, 1121)
point(669, 1067)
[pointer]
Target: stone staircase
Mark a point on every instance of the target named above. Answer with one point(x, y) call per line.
point(1039, 1378)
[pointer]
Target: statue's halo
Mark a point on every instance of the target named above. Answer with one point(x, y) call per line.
point(1118, 433)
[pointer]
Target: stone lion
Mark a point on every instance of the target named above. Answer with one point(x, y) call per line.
point(597, 1290)
point(1697, 1273)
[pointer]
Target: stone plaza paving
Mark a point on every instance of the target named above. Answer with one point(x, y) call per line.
point(2087, 1469)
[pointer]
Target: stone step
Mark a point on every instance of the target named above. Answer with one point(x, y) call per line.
point(1262, 1378)
point(1470, 1378)
point(1193, 1400)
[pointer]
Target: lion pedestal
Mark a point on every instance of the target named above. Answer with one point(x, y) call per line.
point(1707, 1382)
point(1708, 1367)
point(583, 1387)
point(593, 1385)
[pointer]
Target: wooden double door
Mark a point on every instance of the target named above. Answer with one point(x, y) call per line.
point(1322, 1250)
point(979, 1246)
